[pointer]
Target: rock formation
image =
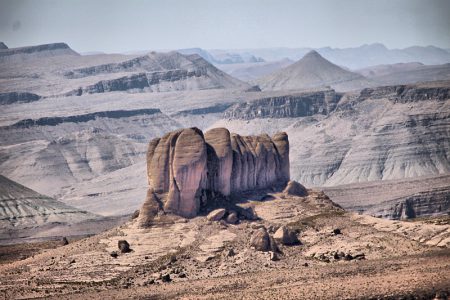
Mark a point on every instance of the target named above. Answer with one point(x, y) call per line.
point(38, 51)
point(293, 188)
point(287, 106)
point(187, 168)
point(15, 97)
point(286, 236)
point(154, 72)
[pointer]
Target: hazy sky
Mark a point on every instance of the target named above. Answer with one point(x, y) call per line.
point(118, 26)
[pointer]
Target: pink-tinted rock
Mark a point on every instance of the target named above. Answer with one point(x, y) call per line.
point(185, 167)
point(188, 170)
point(149, 209)
point(220, 160)
point(293, 188)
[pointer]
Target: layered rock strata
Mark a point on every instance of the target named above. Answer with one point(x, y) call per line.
point(187, 169)
point(288, 106)
point(18, 97)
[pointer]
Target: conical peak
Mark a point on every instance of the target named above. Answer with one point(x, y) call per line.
point(312, 54)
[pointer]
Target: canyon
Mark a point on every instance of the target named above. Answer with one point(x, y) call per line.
point(121, 173)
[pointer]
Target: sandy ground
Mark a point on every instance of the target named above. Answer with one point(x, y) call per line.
point(401, 259)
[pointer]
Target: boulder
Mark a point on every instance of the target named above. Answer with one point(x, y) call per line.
point(166, 278)
point(274, 256)
point(135, 215)
point(262, 241)
point(216, 215)
point(293, 188)
point(337, 231)
point(285, 236)
point(232, 218)
point(124, 247)
point(64, 241)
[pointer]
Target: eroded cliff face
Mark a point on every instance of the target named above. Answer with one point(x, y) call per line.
point(427, 203)
point(289, 106)
point(186, 168)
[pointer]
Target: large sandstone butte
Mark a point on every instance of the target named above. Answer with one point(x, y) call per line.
point(187, 168)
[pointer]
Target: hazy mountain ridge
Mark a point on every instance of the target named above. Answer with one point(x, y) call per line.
point(50, 74)
point(222, 57)
point(360, 57)
point(253, 71)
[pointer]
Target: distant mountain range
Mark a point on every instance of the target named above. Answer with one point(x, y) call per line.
point(359, 57)
point(70, 73)
point(222, 56)
point(406, 73)
point(352, 58)
point(252, 71)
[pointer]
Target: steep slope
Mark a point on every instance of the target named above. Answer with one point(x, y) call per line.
point(50, 153)
point(3, 46)
point(376, 134)
point(55, 71)
point(396, 199)
point(310, 72)
point(156, 72)
point(25, 213)
point(287, 106)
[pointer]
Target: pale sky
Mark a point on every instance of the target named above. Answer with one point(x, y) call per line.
point(119, 26)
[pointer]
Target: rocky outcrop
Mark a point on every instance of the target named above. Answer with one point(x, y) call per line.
point(152, 62)
point(396, 199)
point(113, 114)
point(289, 106)
point(217, 108)
point(220, 160)
point(285, 236)
point(262, 241)
point(406, 93)
point(156, 72)
point(186, 168)
point(40, 50)
point(15, 97)
point(293, 188)
point(3, 46)
point(136, 81)
point(435, 202)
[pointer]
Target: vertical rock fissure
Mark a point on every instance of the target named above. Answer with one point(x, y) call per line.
point(188, 169)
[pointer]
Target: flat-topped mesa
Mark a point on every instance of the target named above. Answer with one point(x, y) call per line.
point(187, 168)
